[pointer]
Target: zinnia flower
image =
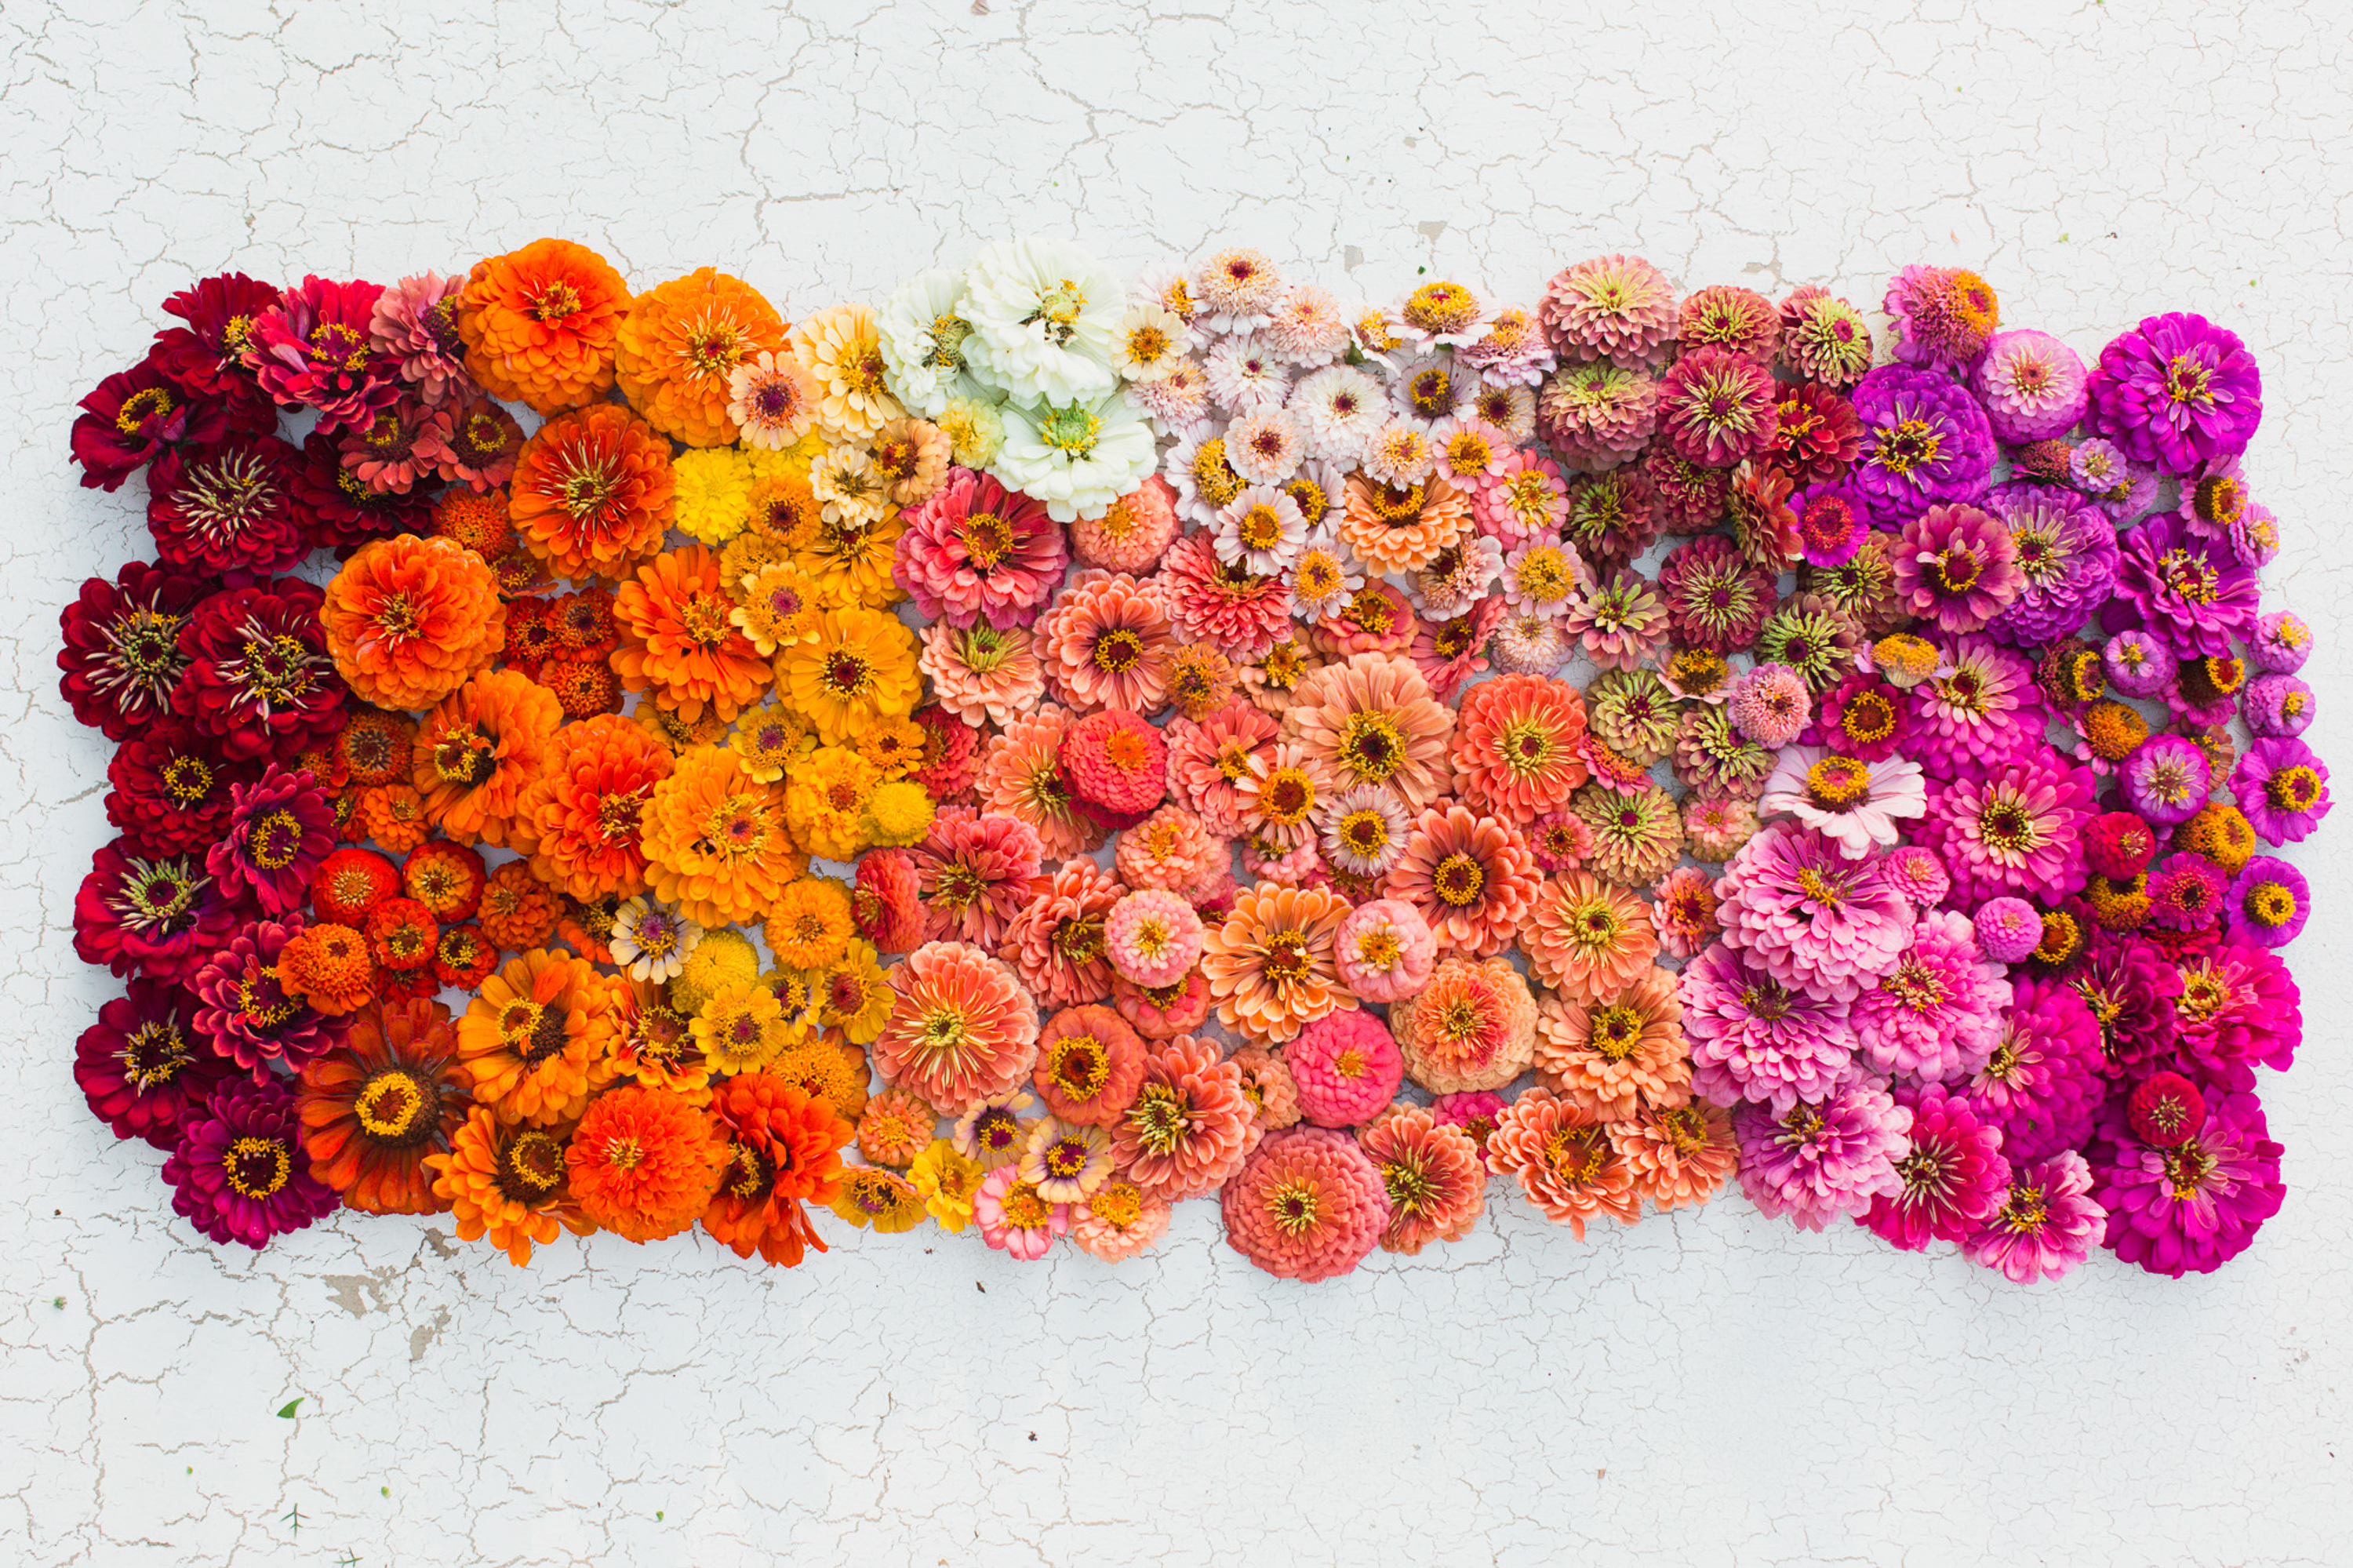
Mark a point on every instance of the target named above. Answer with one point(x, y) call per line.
point(1948, 1181)
point(1825, 1157)
point(580, 821)
point(1855, 802)
point(1956, 566)
point(1617, 1054)
point(962, 1029)
point(1516, 745)
point(680, 640)
point(1924, 440)
point(977, 549)
point(1384, 951)
point(375, 1108)
point(2046, 1223)
point(1753, 1038)
point(2177, 391)
point(238, 1173)
point(408, 619)
point(1434, 1172)
point(1566, 1162)
point(1811, 917)
point(1374, 722)
point(2193, 1205)
point(540, 323)
point(1269, 963)
point(142, 1067)
point(1616, 308)
point(1585, 937)
point(1346, 1068)
point(1937, 1012)
point(1309, 1204)
point(1056, 940)
point(1190, 1126)
point(676, 353)
point(2283, 787)
point(1471, 1027)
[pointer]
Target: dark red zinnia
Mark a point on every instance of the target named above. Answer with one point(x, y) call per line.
point(207, 355)
point(172, 789)
point(258, 672)
point(226, 506)
point(121, 656)
point(158, 915)
point(135, 416)
point(337, 509)
point(142, 1067)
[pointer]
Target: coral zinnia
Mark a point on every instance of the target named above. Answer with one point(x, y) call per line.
point(1516, 746)
point(973, 873)
point(1346, 1068)
point(645, 1163)
point(531, 1038)
point(1565, 1161)
point(1308, 1204)
point(783, 1151)
point(1105, 643)
point(1434, 1172)
point(1472, 1027)
point(1090, 1065)
point(1585, 936)
point(679, 638)
point(408, 619)
point(1384, 951)
point(962, 1029)
point(1372, 720)
point(715, 842)
point(1190, 1126)
point(593, 492)
point(1019, 777)
point(677, 349)
point(540, 323)
point(1621, 1054)
point(479, 750)
point(1270, 962)
point(976, 549)
point(1470, 878)
point(375, 1108)
point(1056, 940)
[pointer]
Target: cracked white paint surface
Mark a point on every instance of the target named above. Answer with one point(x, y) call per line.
point(1707, 1389)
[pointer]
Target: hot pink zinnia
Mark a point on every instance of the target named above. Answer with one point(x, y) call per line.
point(2017, 830)
point(1951, 1179)
point(1753, 1038)
point(2046, 1223)
point(1937, 1012)
point(1308, 1205)
point(976, 548)
point(1955, 566)
point(315, 349)
point(1348, 1068)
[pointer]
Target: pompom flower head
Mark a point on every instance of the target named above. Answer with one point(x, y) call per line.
point(1309, 1204)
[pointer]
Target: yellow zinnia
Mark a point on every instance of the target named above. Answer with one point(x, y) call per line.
point(856, 670)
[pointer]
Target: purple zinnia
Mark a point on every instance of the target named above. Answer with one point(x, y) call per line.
point(2268, 903)
point(2282, 643)
point(1948, 1180)
point(2189, 592)
point(1822, 1159)
point(2177, 391)
point(2138, 665)
point(2046, 1223)
point(239, 1173)
point(1753, 1038)
point(2166, 780)
point(2032, 386)
point(2042, 1086)
point(1924, 440)
point(1808, 915)
point(1937, 1012)
point(280, 828)
point(245, 1016)
point(2192, 1205)
point(1956, 567)
point(2283, 787)
point(2277, 705)
point(142, 1067)
point(2066, 558)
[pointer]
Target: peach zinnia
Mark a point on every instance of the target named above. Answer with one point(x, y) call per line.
point(962, 1029)
point(479, 749)
point(407, 620)
point(1373, 722)
point(1403, 530)
point(1435, 1173)
point(1586, 936)
point(679, 638)
point(1472, 1027)
point(1564, 1160)
point(1057, 942)
point(533, 1037)
point(715, 842)
point(1105, 644)
point(539, 323)
point(1619, 1053)
point(593, 492)
point(579, 821)
point(1190, 1126)
point(645, 1163)
point(1270, 962)
point(1516, 746)
point(677, 348)
point(1470, 877)
point(1680, 1157)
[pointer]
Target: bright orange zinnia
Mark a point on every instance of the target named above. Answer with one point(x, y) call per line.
point(479, 749)
point(593, 492)
point(531, 1037)
point(374, 1108)
point(407, 620)
point(715, 842)
point(784, 1150)
point(679, 346)
point(645, 1162)
point(578, 823)
point(539, 323)
point(327, 966)
point(509, 1183)
point(679, 637)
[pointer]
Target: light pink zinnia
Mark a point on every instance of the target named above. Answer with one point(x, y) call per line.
point(1753, 1038)
point(1309, 1204)
point(1935, 1013)
point(1153, 937)
point(1811, 917)
point(1856, 803)
point(1015, 1217)
point(981, 674)
point(1385, 950)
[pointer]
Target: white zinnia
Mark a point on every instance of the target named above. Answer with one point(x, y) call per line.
point(1834, 807)
point(1261, 531)
point(923, 336)
point(1076, 457)
point(1265, 445)
point(1150, 344)
point(1340, 408)
point(1045, 317)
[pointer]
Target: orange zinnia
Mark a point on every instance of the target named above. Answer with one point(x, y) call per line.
point(645, 1163)
point(579, 822)
point(678, 634)
point(679, 346)
point(374, 1108)
point(785, 1149)
point(479, 749)
point(539, 323)
point(715, 842)
point(327, 966)
point(533, 1037)
point(407, 620)
point(593, 492)
point(509, 1183)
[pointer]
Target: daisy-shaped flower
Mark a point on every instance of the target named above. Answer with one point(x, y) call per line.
point(1105, 645)
point(1261, 531)
point(1585, 937)
point(1516, 746)
point(1855, 802)
point(1619, 1053)
point(1471, 877)
point(1811, 917)
point(1270, 961)
point(1372, 721)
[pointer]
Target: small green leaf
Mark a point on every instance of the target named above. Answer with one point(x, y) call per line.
point(286, 1412)
point(657, 1515)
point(383, 1491)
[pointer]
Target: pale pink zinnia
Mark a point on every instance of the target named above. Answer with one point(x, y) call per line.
point(1153, 937)
point(1856, 803)
point(1385, 950)
point(1809, 917)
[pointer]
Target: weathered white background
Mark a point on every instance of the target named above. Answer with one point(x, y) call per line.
point(1706, 1390)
